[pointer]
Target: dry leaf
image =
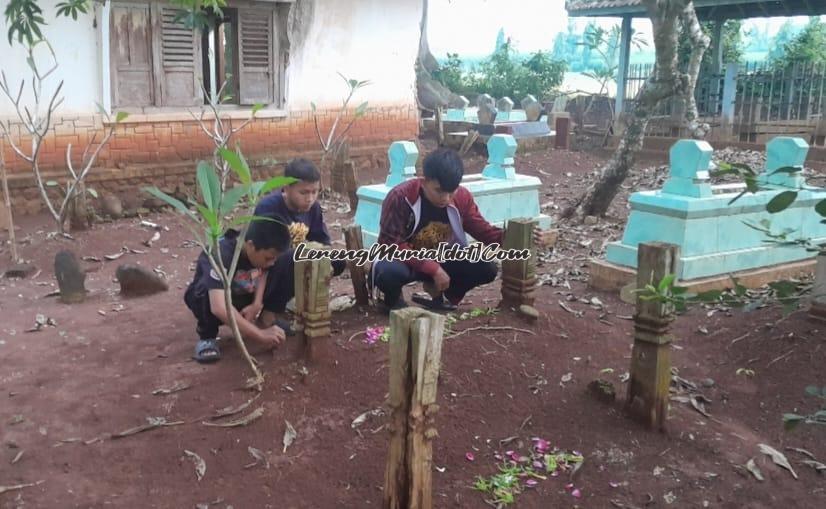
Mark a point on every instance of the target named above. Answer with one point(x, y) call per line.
point(752, 467)
point(176, 387)
point(156, 237)
point(227, 411)
point(289, 435)
point(4, 489)
point(777, 457)
point(361, 419)
point(259, 457)
point(801, 451)
point(152, 423)
point(200, 464)
point(112, 257)
point(242, 421)
point(17, 457)
point(814, 464)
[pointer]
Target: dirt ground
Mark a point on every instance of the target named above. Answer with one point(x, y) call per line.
point(94, 372)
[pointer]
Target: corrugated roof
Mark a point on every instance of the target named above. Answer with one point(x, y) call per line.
point(578, 5)
point(706, 9)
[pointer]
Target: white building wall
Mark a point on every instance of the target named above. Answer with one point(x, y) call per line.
point(76, 50)
point(374, 40)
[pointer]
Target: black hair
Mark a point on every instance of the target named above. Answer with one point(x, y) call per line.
point(303, 170)
point(446, 166)
point(267, 234)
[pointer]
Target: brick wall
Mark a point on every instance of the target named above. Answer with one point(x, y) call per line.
point(163, 151)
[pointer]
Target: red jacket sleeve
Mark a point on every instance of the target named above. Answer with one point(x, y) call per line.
point(475, 225)
point(395, 214)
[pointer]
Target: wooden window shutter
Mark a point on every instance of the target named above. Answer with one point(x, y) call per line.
point(255, 42)
point(178, 54)
point(130, 53)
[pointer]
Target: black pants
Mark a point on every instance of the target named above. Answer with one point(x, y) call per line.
point(208, 323)
point(391, 276)
point(281, 281)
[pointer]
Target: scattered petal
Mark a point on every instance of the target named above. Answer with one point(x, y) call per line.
point(576, 493)
point(569, 487)
point(613, 484)
point(469, 456)
point(531, 483)
point(538, 465)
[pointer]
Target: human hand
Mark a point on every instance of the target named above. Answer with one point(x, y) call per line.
point(272, 336)
point(441, 280)
point(251, 312)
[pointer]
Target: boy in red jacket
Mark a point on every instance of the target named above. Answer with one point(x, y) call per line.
point(422, 212)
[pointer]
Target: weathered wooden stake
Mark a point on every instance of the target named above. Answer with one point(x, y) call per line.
point(650, 374)
point(8, 220)
point(415, 353)
point(519, 277)
point(354, 241)
point(817, 310)
point(350, 183)
point(312, 300)
point(440, 127)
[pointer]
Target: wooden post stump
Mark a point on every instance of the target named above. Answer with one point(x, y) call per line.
point(650, 374)
point(358, 274)
point(351, 184)
point(817, 310)
point(415, 353)
point(519, 277)
point(312, 301)
point(562, 127)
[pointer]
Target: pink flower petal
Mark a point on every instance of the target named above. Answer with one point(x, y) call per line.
point(569, 487)
point(469, 456)
point(508, 453)
point(514, 456)
point(538, 465)
point(498, 456)
point(531, 483)
point(576, 493)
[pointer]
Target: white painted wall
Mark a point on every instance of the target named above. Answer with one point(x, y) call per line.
point(375, 40)
point(75, 46)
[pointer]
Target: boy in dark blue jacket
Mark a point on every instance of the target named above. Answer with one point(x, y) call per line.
point(296, 203)
point(265, 241)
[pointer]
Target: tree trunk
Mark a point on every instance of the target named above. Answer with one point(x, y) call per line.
point(7, 203)
point(699, 44)
point(431, 94)
point(666, 81)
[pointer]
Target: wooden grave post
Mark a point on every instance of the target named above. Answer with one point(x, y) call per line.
point(312, 301)
point(817, 309)
point(415, 354)
point(350, 177)
point(650, 374)
point(519, 277)
point(358, 274)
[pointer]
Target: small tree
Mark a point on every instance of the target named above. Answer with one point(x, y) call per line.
point(36, 120)
point(212, 220)
point(333, 142)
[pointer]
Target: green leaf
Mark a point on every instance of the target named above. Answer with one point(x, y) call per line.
point(275, 183)
point(232, 197)
point(813, 390)
point(51, 183)
point(121, 116)
point(174, 202)
point(781, 202)
point(679, 290)
point(820, 208)
point(237, 163)
point(709, 296)
point(788, 169)
point(312, 106)
point(211, 219)
point(256, 108)
point(790, 421)
point(361, 109)
point(210, 187)
point(783, 288)
point(665, 283)
point(92, 192)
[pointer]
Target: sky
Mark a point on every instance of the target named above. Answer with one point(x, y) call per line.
point(469, 27)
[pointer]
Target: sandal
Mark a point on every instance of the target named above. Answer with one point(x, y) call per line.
point(437, 304)
point(207, 351)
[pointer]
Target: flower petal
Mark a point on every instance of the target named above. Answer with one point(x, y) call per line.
point(469, 456)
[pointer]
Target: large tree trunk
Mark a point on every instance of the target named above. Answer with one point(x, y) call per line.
point(699, 44)
point(431, 94)
point(666, 81)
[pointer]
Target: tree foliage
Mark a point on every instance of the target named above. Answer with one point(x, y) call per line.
point(806, 47)
point(503, 73)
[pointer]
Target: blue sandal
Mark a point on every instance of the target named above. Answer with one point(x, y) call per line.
point(207, 351)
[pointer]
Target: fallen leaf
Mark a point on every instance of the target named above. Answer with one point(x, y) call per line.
point(227, 411)
point(777, 457)
point(112, 257)
point(241, 421)
point(91, 259)
point(801, 451)
point(17, 457)
point(752, 467)
point(152, 423)
point(289, 435)
point(670, 497)
point(156, 237)
point(259, 457)
point(176, 387)
point(567, 377)
point(16, 419)
point(814, 464)
point(361, 419)
point(14, 487)
point(200, 464)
